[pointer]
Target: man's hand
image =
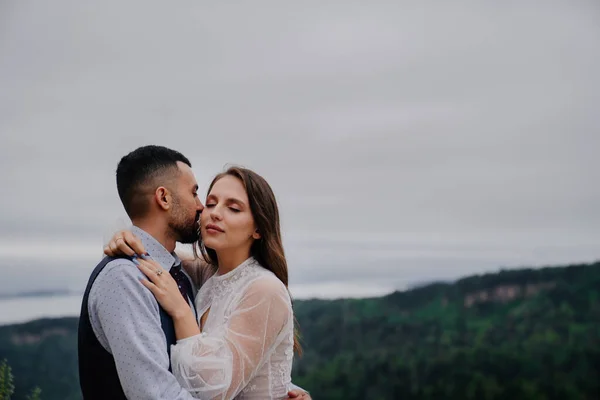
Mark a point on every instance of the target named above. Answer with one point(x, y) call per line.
point(299, 394)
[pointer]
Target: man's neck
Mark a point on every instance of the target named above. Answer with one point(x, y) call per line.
point(157, 232)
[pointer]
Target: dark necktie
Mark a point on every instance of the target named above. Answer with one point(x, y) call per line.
point(184, 284)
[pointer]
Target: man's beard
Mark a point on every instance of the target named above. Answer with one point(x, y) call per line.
point(186, 230)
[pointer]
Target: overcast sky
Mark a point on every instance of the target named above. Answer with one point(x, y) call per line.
point(406, 141)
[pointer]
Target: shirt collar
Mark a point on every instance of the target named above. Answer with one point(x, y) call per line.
point(156, 250)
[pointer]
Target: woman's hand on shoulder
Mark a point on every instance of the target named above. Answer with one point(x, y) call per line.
point(164, 288)
point(122, 243)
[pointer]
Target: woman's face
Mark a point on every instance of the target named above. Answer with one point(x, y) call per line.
point(227, 222)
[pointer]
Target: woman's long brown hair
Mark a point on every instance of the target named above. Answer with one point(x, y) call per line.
point(268, 250)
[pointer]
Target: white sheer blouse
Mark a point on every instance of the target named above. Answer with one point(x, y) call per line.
point(245, 350)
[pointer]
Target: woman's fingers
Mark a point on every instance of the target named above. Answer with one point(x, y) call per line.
point(158, 292)
point(118, 247)
point(120, 242)
point(144, 266)
point(149, 285)
point(124, 243)
point(123, 247)
point(131, 244)
point(113, 248)
point(152, 270)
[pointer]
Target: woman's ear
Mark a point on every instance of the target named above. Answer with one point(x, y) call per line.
point(256, 235)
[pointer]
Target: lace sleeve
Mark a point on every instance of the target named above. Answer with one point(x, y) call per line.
point(219, 365)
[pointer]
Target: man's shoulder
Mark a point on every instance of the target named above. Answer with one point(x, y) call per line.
point(119, 273)
point(119, 279)
point(117, 266)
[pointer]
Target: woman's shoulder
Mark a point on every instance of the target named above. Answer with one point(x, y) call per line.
point(266, 282)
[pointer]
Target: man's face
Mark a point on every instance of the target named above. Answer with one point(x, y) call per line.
point(187, 207)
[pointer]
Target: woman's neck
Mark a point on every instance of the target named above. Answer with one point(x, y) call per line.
point(230, 260)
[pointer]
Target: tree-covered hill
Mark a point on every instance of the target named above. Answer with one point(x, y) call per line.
point(518, 334)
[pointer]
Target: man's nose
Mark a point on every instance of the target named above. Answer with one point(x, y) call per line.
point(199, 206)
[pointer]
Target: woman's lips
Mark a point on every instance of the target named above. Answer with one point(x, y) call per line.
point(211, 228)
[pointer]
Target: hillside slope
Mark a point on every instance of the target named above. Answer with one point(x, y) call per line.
point(519, 334)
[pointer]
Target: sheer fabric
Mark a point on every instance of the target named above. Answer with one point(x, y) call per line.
point(245, 350)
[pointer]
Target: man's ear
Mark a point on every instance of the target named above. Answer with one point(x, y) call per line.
point(163, 198)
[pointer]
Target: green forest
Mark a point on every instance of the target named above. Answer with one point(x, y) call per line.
point(516, 334)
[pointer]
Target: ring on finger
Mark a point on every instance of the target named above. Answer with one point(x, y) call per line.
point(159, 272)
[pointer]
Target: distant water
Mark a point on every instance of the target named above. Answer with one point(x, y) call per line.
point(23, 309)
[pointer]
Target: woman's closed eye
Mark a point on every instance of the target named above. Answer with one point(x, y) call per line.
point(234, 209)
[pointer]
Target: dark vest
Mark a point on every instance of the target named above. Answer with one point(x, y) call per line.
point(98, 376)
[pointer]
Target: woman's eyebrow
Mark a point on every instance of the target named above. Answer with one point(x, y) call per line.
point(234, 200)
point(228, 200)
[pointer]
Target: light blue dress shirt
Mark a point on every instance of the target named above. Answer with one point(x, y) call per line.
point(125, 318)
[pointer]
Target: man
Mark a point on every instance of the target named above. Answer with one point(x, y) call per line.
point(124, 335)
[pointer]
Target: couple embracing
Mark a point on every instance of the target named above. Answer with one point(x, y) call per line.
point(216, 325)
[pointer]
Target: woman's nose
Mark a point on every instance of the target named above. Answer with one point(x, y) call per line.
point(215, 213)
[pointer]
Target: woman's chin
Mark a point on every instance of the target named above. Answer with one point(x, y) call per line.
point(212, 244)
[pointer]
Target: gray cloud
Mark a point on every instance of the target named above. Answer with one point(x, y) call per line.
point(451, 138)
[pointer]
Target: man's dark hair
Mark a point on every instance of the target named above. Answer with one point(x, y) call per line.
point(140, 172)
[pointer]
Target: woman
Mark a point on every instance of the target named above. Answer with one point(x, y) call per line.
point(244, 340)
